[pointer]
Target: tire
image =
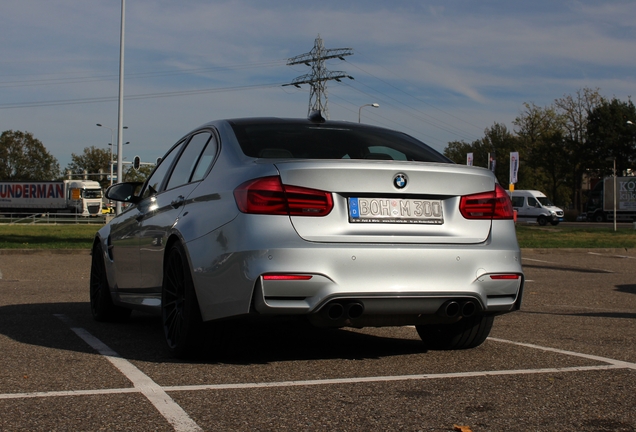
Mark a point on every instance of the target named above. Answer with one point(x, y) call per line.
point(599, 217)
point(102, 306)
point(464, 334)
point(180, 313)
point(541, 220)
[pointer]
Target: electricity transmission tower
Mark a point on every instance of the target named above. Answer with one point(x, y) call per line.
point(319, 75)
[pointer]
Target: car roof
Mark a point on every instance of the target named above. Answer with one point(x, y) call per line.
point(285, 120)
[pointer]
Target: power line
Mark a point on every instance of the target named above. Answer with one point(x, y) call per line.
point(135, 97)
point(391, 121)
point(411, 112)
point(412, 95)
point(112, 77)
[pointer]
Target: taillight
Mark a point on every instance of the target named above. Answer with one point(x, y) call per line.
point(286, 277)
point(504, 277)
point(268, 195)
point(487, 205)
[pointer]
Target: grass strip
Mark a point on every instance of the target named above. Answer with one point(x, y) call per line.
point(73, 236)
point(80, 236)
point(532, 236)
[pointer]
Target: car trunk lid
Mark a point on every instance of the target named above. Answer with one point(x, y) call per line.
point(397, 202)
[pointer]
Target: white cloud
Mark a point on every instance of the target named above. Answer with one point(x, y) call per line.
point(441, 70)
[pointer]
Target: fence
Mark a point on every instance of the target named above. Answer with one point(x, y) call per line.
point(52, 218)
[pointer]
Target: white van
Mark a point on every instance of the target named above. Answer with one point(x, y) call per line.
point(534, 206)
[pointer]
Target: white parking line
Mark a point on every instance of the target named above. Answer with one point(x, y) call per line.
point(168, 408)
point(180, 420)
point(388, 378)
point(615, 256)
point(617, 363)
point(536, 260)
point(333, 381)
point(69, 393)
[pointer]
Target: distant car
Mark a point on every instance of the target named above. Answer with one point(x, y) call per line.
point(337, 223)
point(534, 206)
point(107, 209)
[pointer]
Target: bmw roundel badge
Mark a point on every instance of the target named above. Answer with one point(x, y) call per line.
point(399, 181)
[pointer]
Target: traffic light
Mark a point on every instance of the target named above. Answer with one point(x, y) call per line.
point(136, 163)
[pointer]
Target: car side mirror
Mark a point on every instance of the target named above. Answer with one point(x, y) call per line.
point(124, 192)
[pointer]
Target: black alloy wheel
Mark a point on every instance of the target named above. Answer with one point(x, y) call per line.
point(180, 311)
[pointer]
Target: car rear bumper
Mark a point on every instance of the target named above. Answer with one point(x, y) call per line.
point(388, 279)
point(390, 287)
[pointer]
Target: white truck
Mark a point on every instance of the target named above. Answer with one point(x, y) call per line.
point(534, 206)
point(600, 201)
point(82, 197)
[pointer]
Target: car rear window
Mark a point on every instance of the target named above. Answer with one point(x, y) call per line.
point(272, 140)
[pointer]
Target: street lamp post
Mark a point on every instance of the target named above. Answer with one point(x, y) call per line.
point(120, 104)
point(614, 172)
point(374, 105)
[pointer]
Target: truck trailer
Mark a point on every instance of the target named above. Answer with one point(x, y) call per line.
point(82, 197)
point(600, 202)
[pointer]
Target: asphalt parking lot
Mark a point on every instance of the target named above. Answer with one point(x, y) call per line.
point(565, 362)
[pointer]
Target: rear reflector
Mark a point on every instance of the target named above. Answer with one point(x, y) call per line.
point(487, 205)
point(268, 195)
point(285, 277)
point(504, 276)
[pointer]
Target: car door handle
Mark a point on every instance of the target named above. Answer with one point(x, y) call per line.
point(178, 202)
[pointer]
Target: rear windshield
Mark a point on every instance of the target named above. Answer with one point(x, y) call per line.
point(273, 140)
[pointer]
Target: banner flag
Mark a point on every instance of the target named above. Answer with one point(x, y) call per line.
point(514, 166)
point(469, 159)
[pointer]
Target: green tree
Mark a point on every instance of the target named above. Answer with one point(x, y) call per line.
point(574, 110)
point(93, 160)
point(499, 140)
point(540, 132)
point(457, 151)
point(609, 136)
point(554, 141)
point(140, 175)
point(23, 157)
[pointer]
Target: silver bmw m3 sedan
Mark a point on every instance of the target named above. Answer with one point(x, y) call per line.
point(336, 223)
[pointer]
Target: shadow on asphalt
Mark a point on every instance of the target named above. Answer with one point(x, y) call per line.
point(240, 343)
point(619, 315)
point(565, 268)
point(629, 289)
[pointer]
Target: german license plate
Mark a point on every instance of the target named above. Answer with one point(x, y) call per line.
point(394, 210)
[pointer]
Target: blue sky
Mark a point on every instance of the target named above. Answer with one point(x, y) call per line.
point(440, 70)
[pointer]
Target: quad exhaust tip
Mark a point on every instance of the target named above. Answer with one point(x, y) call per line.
point(341, 311)
point(338, 311)
point(453, 309)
